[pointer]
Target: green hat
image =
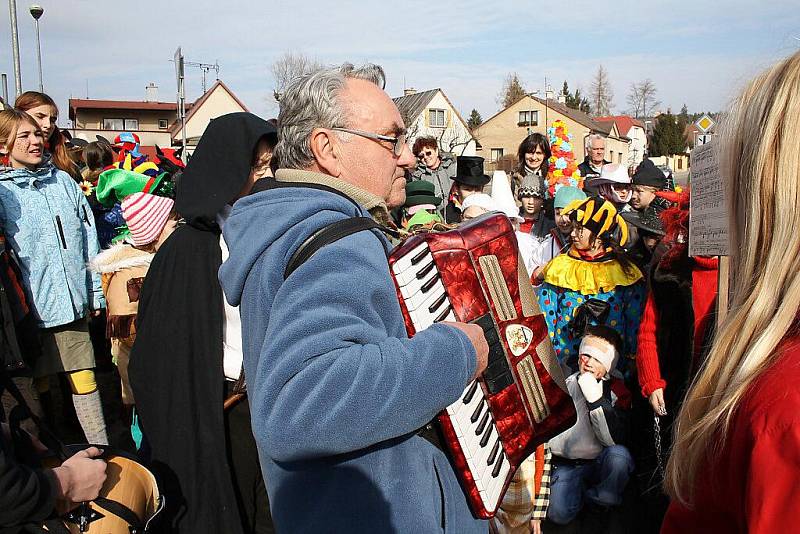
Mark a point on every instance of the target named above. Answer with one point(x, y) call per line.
point(423, 217)
point(114, 185)
point(566, 194)
point(421, 192)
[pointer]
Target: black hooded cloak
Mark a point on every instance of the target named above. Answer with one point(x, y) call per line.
point(176, 368)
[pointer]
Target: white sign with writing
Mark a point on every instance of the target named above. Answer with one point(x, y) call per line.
point(708, 219)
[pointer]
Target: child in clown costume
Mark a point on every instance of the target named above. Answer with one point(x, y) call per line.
point(593, 283)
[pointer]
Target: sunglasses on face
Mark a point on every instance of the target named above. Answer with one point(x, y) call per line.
point(425, 153)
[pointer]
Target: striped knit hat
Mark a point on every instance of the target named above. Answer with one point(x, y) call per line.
point(146, 215)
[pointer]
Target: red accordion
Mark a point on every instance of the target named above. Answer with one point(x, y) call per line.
point(473, 274)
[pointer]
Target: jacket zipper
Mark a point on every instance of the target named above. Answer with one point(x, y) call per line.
point(85, 216)
point(61, 232)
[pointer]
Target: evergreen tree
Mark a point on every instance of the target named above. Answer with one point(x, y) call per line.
point(575, 100)
point(512, 91)
point(668, 136)
point(474, 120)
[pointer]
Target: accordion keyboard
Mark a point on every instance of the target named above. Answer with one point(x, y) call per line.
point(427, 302)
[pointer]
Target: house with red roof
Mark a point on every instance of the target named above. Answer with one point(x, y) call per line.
point(155, 122)
point(634, 130)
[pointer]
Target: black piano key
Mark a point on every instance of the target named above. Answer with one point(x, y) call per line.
point(482, 425)
point(442, 316)
point(418, 258)
point(470, 392)
point(430, 283)
point(498, 465)
point(477, 413)
point(494, 452)
point(422, 273)
point(435, 306)
point(486, 434)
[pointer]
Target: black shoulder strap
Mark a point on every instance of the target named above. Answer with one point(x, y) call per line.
point(327, 235)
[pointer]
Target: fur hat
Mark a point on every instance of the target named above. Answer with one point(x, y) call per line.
point(648, 174)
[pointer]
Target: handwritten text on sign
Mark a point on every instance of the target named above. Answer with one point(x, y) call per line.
point(708, 219)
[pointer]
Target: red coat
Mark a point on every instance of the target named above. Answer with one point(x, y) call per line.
point(754, 484)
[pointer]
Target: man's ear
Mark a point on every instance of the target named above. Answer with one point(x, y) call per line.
point(325, 153)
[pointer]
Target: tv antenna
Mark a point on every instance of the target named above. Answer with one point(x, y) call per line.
point(205, 67)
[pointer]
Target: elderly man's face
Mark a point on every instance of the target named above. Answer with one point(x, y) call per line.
point(367, 163)
point(597, 151)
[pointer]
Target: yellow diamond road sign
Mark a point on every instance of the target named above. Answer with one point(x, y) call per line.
point(705, 123)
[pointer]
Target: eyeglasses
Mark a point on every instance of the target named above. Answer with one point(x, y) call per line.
point(425, 153)
point(398, 143)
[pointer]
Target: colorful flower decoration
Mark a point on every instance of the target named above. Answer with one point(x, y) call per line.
point(87, 188)
point(563, 168)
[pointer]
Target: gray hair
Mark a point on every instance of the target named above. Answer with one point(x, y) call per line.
point(312, 101)
point(587, 144)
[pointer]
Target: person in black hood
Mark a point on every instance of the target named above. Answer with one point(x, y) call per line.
point(187, 357)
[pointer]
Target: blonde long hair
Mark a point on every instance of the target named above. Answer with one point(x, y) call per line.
point(760, 162)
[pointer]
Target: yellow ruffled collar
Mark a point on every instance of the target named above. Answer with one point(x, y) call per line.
point(588, 277)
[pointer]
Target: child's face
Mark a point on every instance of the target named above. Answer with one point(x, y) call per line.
point(587, 364)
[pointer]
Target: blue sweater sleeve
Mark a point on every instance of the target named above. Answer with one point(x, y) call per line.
point(336, 372)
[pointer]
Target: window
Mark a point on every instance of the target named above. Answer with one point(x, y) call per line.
point(437, 118)
point(619, 157)
point(496, 154)
point(680, 164)
point(121, 124)
point(113, 124)
point(528, 118)
point(163, 124)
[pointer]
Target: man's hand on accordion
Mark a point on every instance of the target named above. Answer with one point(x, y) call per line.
point(476, 337)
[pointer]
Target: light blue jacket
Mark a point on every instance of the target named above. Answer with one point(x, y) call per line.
point(49, 224)
point(336, 388)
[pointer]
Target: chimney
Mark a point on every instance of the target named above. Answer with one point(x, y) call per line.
point(562, 98)
point(151, 93)
point(548, 94)
point(410, 91)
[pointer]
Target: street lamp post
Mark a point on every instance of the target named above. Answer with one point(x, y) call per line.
point(12, 8)
point(36, 12)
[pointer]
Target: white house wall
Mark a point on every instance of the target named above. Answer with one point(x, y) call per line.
point(455, 129)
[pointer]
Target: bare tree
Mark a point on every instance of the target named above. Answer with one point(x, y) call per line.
point(602, 96)
point(511, 92)
point(642, 98)
point(289, 66)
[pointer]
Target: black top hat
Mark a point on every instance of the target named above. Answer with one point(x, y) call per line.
point(469, 171)
point(648, 174)
point(421, 192)
point(646, 220)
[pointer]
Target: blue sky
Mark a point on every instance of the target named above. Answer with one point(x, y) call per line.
point(697, 52)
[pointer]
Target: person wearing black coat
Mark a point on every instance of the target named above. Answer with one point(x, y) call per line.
point(205, 457)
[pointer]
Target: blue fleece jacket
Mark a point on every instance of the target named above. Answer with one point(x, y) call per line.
point(336, 387)
point(48, 222)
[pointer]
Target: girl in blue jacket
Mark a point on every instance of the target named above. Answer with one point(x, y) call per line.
point(49, 225)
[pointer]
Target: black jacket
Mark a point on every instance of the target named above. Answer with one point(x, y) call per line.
point(176, 365)
point(587, 173)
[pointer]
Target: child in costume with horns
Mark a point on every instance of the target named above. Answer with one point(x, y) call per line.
point(593, 283)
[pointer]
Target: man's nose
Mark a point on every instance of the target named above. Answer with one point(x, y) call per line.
point(406, 158)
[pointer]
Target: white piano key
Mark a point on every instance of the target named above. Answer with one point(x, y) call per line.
point(420, 299)
point(497, 484)
point(415, 285)
point(403, 267)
